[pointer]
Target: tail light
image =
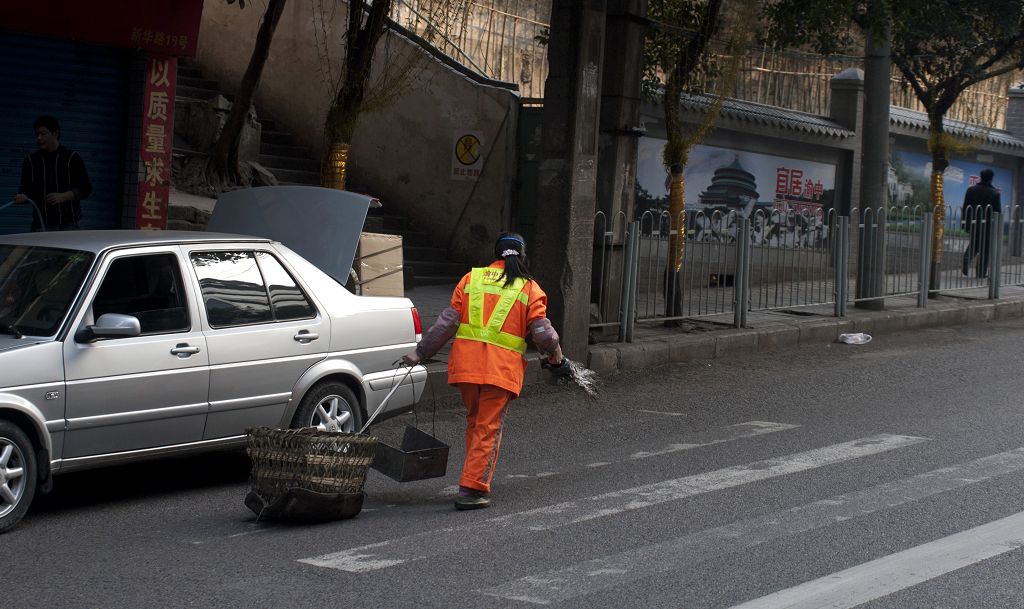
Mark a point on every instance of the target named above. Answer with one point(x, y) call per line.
point(417, 326)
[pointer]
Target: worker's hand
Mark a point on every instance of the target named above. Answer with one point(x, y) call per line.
point(59, 197)
point(20, 198)
point(555, 359)
point(411, 358)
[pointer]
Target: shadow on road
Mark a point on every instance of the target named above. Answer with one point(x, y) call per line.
point(144, 479)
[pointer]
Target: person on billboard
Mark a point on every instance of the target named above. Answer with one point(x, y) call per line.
point(980, 201)
point(54, 178)
point(493, 310)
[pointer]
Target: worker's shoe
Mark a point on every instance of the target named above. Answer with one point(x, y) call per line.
point(471, 499)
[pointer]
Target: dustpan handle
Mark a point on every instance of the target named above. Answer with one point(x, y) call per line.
point(384, 402)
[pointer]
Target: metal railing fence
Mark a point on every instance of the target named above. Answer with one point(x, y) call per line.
point(793, 258)
point(734, 261)
point(889, 253)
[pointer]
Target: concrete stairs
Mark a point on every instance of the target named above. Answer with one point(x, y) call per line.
point(292, 163)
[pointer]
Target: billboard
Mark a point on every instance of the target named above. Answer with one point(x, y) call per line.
point(725, 179)
point(910, 181)
point(167, 27)
point(787, 198)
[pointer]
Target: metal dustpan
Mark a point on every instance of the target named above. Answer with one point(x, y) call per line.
point(420, 457)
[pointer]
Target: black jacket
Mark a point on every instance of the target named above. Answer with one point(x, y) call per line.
point(62, 170)
point(977, 202)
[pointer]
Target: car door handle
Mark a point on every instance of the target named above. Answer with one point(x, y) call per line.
point(305, 336)
point(184, 350)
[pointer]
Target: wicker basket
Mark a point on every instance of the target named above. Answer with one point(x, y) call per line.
point(321, 462)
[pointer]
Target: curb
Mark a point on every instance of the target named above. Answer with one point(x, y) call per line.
point(619, 357)
point(612, 358)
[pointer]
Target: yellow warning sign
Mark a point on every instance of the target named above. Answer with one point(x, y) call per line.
point(467, 155)
point(467, 149)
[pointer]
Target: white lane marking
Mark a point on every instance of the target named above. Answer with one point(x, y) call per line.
point(232, 536)
point(414, 547)
point(749, 429)
point(622, 568)
point(729, 433)
point(871, 580)
point(616, 502)
point(669, 414)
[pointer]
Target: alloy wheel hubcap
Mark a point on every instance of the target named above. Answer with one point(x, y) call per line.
point(333, 413)
point(12, 478)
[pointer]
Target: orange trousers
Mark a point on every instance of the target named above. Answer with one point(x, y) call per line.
point(485, 413)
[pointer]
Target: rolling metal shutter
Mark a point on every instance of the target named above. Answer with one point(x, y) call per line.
point(84, 86)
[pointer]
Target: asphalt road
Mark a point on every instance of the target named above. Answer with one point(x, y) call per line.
point(887, 475)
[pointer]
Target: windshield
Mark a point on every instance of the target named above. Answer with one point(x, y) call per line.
point(37, 287)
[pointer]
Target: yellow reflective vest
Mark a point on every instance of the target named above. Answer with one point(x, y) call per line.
point(489, 280)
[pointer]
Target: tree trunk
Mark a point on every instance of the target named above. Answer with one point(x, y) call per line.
point(360, 43)
point(939, 147)
point(224, 157)
point(677, 148)
point(676, 242)
point(674, 157)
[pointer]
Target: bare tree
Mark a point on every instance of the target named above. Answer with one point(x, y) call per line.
point(356, 90)
point(682, 57)
point(223, 167)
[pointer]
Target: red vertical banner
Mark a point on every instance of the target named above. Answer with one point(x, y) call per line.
point(155, 146)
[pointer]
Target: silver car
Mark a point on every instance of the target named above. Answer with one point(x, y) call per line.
point(120, 345)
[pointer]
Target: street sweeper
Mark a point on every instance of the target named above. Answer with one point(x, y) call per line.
point(493, 311)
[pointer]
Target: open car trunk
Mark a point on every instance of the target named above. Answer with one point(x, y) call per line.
point(320, 224)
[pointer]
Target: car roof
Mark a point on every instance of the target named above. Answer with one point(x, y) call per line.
point(97, 241)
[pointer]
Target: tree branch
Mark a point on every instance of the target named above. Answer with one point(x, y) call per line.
point(923, 95)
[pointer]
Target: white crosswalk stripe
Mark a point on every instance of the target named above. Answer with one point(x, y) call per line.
point(729, 433)
point(878, 578)
point(399, 551)
point(749, 429)
point(618, 569)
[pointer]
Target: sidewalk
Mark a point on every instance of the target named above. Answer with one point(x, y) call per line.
point(715, 338)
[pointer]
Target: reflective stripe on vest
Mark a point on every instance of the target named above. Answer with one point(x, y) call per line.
point(486, 281)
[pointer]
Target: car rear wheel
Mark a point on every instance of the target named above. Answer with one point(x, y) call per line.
point(17, 474)
point(329, 406)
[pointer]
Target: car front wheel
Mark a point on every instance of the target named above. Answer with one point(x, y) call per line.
point(329, 406)
point(17, 474)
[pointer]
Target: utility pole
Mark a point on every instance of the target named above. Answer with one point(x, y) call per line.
point(621, 130)
point(874, 178)
point(567, 189)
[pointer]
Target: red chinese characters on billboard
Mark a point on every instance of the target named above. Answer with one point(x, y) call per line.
point(795, 192)
point(155, 145)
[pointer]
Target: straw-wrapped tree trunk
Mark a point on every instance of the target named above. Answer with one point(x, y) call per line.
point(366, 23)
point(683, 53)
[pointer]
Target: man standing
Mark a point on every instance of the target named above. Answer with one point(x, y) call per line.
point(53, 177)
point(980, 201)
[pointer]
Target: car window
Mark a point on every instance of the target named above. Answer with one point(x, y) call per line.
point(233, 290)
point(37, 287)
point(147, 287)
point(287, 300)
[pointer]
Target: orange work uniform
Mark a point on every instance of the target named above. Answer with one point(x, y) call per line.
point(488, 375)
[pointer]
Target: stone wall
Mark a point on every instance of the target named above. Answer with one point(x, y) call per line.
point(402, 150)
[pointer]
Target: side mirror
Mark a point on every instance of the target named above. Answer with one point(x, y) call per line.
point(110, 325)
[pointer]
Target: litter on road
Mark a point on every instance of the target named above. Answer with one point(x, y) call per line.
point(855, 338)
